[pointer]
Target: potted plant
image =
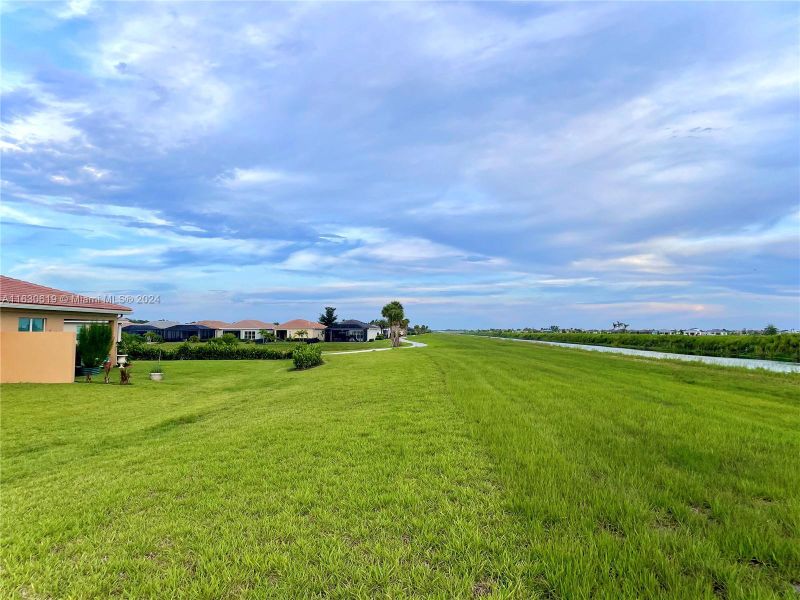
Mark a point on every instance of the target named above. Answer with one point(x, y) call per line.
point(94, 344)
point(157, 373)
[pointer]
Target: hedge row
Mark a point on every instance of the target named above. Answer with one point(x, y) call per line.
point(206, 352)
point(785, 347)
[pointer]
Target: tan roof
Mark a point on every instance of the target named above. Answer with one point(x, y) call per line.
point(16, 291)
point(244, 324)
point(252, 324)
point(215, 324)
point(300, 324)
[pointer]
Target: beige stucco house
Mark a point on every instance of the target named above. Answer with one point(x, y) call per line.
point(288, 330)
point(38, 327)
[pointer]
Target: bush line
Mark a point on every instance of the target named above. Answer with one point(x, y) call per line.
point(783, 347)
point(206, 352)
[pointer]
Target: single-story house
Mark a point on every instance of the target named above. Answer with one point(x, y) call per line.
point(250, 329)
point(247, 329)
point(140, 329)
point(38, 329)
point(351, 330)
point(217, 326)
point(162, 323)
point(288, 330)
point(181, 333)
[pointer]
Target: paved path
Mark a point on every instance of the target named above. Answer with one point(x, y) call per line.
point(747, 363)
point(402, 340)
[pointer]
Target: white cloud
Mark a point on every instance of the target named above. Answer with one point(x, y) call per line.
point(61, 179)
point(254, 177)
point(19, 215)
point(51, 125)
point(652, 308)
point(406, 250)
point(308, 260)
point(645, 263)
point(95, 172)
point(75, 8)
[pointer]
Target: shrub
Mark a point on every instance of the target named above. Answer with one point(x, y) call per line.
point(229, 339)
point(193, 339)
point(210, 351)
point(94, 344)
point(129, 341)
point(152, 336)
point(306, 356)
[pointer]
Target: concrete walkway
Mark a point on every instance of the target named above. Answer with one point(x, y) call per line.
point(747, 363)
point(402, 340)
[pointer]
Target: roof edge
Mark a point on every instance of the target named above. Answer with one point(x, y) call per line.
point(55, 307)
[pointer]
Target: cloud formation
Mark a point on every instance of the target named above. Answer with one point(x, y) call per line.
point(489, 164)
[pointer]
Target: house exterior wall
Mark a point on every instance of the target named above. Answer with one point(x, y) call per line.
point(312, 333)
point(44, 356)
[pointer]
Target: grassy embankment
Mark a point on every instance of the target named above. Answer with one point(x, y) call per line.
point(784, 346)
point(467, 468)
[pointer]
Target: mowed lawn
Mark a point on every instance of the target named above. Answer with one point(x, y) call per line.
point(469, 468)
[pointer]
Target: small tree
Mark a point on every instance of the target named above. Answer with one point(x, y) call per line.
point(301, 334)
point(395, 315)
point(329, 317)
point(266, 335)
point(94, 346)
point(229, 339)
point(152, 336)
point(770, 330)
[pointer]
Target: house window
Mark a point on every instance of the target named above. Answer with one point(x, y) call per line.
point(30, 324)
point(249, 335)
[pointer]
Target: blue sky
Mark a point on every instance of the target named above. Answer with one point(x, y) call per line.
point(486, 164)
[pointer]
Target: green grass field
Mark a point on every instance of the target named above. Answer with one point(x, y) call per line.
point(469, 468)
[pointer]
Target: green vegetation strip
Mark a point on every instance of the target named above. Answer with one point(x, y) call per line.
point(785, 346)
point(473, 468)
point(241, 351)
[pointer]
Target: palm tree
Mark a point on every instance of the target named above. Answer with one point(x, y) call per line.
point(395, 315)
point(301, 333)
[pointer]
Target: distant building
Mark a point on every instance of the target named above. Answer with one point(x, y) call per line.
point(289, 329)
point(181, 333)
point(248, 329)
point(162, 323)
point(351, 330)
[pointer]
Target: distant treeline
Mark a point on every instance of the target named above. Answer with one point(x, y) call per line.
point(785, 346)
